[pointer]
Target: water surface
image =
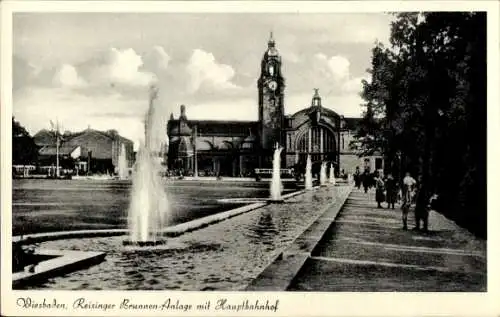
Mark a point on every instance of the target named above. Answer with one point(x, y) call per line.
point(223, 256)
point(56, 205)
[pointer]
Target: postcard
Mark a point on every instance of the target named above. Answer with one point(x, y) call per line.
point(267, 158)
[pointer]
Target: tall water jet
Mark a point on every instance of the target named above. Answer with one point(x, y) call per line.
point(308, 176)
point(122, 163)
point(276, 186)
point(332, 174)
point(322, 174)
point(149, 203)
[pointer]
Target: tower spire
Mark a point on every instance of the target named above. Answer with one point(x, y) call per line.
point(271, 42)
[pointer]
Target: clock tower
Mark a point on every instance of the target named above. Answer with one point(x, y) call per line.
point(271, 87)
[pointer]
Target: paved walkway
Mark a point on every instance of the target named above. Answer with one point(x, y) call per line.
point(366, 249)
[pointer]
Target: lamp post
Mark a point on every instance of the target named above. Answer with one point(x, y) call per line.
point(56, 133)
point(400, 174)
point(195, 154)
point(339, 129)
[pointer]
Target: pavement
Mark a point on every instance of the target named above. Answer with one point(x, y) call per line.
point(366, 249)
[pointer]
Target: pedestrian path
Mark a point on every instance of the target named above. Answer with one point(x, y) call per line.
point(366, 249)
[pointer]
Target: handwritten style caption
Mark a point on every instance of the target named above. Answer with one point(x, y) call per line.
point(169, 304)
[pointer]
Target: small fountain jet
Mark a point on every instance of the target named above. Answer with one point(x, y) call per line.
point(276, 185)
point(308, 176)
point(332, 174)
point(122, 164)
point(322, 174)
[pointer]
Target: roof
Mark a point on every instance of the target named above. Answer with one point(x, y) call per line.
point(100, 143)
point(44, 137)
point(324, 110)
point(52, 150)
point(216, 127)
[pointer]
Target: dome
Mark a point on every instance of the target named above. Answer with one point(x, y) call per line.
point(225, 145)
point(249, 142)
point(271, 47)
point(272, 51)
point(204, 145)
point(250, 139)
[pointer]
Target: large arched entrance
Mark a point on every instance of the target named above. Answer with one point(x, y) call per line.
point(319, 142)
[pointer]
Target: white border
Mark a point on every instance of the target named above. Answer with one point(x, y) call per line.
point(290, 304)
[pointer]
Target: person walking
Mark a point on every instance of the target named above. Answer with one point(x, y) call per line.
point(407, 199)
point(366, 180)
point(391, 191)
point(422, 208)
point(357, 178)
point(379, 190)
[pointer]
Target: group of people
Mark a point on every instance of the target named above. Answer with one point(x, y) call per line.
point(388, 190)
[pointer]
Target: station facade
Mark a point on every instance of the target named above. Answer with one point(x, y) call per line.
point(237, 148)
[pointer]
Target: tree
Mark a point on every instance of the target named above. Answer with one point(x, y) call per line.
point(428, 94)
point(24, 149)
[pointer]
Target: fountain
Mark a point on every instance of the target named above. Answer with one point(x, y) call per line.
point(122, 164)
point(322, 174)
point(332, 174)
point(276, 186)
point(308, 176)
point(149, 203)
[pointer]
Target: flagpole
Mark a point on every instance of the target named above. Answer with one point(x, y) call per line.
point(57, 149)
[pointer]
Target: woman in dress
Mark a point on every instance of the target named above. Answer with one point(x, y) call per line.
point(391, 191)
point(357, 178)
point(379, 190)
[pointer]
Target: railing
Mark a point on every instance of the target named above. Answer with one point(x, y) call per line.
point(269, 171)
point(266, 173)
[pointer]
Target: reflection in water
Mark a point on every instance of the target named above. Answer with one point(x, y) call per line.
point(264, 231)
point(223, 256)
point(60, 205)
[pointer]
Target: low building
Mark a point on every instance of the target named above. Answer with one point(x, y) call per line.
point(86, 152)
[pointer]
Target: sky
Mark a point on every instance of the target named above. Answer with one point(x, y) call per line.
point(95, 69)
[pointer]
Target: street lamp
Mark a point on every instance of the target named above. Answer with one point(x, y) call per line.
point(340, 126)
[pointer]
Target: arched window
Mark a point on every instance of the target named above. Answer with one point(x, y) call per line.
point(319, 142)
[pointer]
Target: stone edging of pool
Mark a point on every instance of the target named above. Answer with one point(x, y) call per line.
point(64, 261)
point(279, 275)
point(172, 231)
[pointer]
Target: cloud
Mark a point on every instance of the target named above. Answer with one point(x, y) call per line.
point(353, 85)
point(228, 109)
point(75, 111)
point(290, 56)
point(337, 66)
point(102, 78)
point(157, 59)
point(120, 67)
point(203, 69)
point(25, 73)
point(67, 76)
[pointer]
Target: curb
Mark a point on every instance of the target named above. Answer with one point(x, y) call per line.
point(63, 262)
point(279, 275)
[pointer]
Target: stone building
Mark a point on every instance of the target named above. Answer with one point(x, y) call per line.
point(237, 148)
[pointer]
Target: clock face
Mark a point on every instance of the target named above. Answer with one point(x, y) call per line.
point(272, 85)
